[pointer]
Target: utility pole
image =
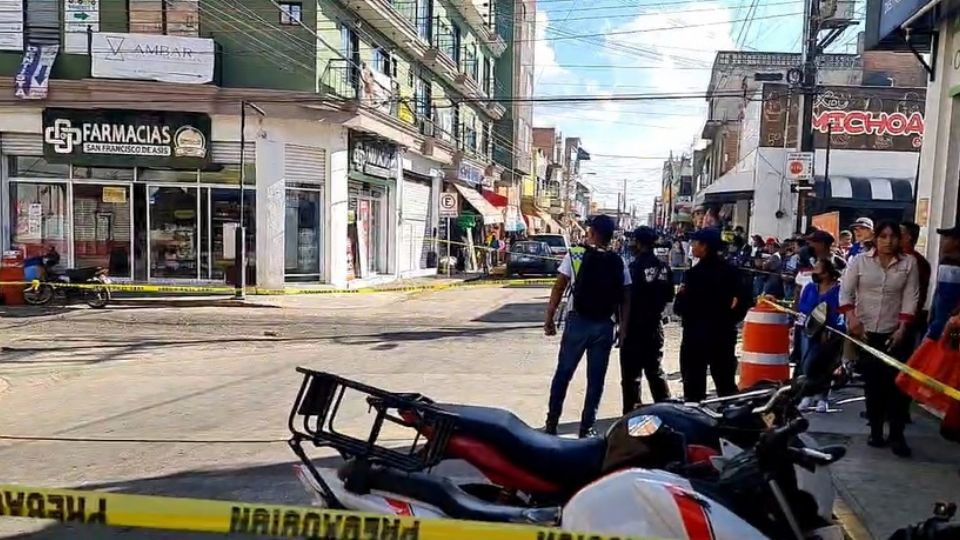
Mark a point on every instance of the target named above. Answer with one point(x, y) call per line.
point(669, 218)
point(811, 50)
point(623, 219)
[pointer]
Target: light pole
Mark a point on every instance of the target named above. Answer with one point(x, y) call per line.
point(240, 251)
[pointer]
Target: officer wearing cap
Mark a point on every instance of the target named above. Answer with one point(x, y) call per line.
point(642, 349)
point(708, 304)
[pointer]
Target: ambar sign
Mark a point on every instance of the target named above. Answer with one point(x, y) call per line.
point(126, 138)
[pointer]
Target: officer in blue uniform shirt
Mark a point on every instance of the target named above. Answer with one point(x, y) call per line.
point(642, 350)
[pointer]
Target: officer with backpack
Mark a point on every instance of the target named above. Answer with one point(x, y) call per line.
point(600, 290)
point(642, 350)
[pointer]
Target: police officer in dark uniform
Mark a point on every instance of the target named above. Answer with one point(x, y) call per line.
point(642, 350)
point(710, 303)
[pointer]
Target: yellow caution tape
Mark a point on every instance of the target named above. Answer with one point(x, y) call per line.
point(919, 376)
point(220, 289)
point(226, 517)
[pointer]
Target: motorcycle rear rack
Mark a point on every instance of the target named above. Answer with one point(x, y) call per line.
point(319, 399)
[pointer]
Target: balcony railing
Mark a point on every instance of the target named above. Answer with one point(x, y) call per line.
point(340, 79)
point(408, 10)
point(445, 40)
point(364, 86)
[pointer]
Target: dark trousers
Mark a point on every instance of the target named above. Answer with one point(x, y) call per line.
point(642, 353)
point(714, 349)
point(884, 400)
point(595, 338)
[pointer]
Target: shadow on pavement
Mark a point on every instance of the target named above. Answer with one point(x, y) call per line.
point(29, 312)
point(515, 313)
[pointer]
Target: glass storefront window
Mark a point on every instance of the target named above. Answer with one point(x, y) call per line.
point(38, 214)
point(166, 175)
point(223, 223)
point(302, 235)
point(365, 207)
point(173, 232)
point(36, 167)
point(102, 227)
point(230, 174)
point(103, 173)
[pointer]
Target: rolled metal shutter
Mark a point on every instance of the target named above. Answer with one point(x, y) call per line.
point(21, 144)
point(416, 221)
point(304, 164)
point(228, 153)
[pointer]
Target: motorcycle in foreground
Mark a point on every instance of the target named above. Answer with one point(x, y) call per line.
point(48, 283)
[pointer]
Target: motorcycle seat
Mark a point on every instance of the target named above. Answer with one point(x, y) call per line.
point(569, 462)
point(442, 493)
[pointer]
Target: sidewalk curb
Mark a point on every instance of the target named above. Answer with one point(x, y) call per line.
point(853, 528)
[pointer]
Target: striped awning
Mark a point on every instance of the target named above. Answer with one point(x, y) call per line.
point(859, 191)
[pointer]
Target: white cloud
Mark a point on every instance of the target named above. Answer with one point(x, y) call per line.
point(547, 69)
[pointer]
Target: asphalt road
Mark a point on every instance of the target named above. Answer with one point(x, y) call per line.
point(228, 373)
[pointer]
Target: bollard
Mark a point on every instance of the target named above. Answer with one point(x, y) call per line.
point(766, 346)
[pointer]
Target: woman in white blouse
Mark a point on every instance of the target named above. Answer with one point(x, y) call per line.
point(879, 294)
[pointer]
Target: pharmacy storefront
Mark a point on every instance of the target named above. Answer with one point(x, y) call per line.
point(146, 194)
point(371, 206)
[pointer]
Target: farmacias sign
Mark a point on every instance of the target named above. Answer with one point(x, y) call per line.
point(122, 138)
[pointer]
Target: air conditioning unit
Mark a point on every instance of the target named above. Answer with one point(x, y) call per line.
point(836, 13)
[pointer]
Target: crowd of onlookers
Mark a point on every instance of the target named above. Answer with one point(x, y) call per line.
point(871, 277)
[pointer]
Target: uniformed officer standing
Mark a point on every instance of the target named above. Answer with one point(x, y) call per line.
point(642, 350)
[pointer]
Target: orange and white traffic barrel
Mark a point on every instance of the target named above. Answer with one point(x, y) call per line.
point(766, 346)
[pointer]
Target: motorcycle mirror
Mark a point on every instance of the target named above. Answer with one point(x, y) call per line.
point(817, 320)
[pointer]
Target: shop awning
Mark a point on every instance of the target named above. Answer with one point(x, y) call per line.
point(729, 187)
point(866, 192)
point(491, 215)
point(496, 199)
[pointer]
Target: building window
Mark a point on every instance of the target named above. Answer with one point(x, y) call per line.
point(291, 13)
point(455, 30)
point(162, 17)
point(384, 63)
point(488, 76)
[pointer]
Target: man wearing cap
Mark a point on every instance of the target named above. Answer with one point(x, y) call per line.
point(706, 302)
point(863, 234)
point(772, 265)
point(642, 349)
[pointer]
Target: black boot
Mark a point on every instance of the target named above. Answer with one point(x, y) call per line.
point(550, 427)
point(876, 439)
point(898, 445)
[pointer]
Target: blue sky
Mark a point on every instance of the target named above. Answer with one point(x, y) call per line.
point(645, 46)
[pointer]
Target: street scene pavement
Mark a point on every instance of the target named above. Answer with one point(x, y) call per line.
point(217, 385)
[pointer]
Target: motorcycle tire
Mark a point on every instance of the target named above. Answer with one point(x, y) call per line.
point(98, 297)
point(40, 296)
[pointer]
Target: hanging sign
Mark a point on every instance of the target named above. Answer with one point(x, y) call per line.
point(33, 77)
point(122, 138)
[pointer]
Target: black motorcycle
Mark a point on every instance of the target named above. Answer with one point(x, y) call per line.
point(90, 284)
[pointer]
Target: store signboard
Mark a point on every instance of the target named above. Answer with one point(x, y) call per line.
point(114, 195)
point(373, 156)
point(471, 174)
point(11, 25)
point(124, 138)
point(854, 117)
point(894, 13)
point(150, 57)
